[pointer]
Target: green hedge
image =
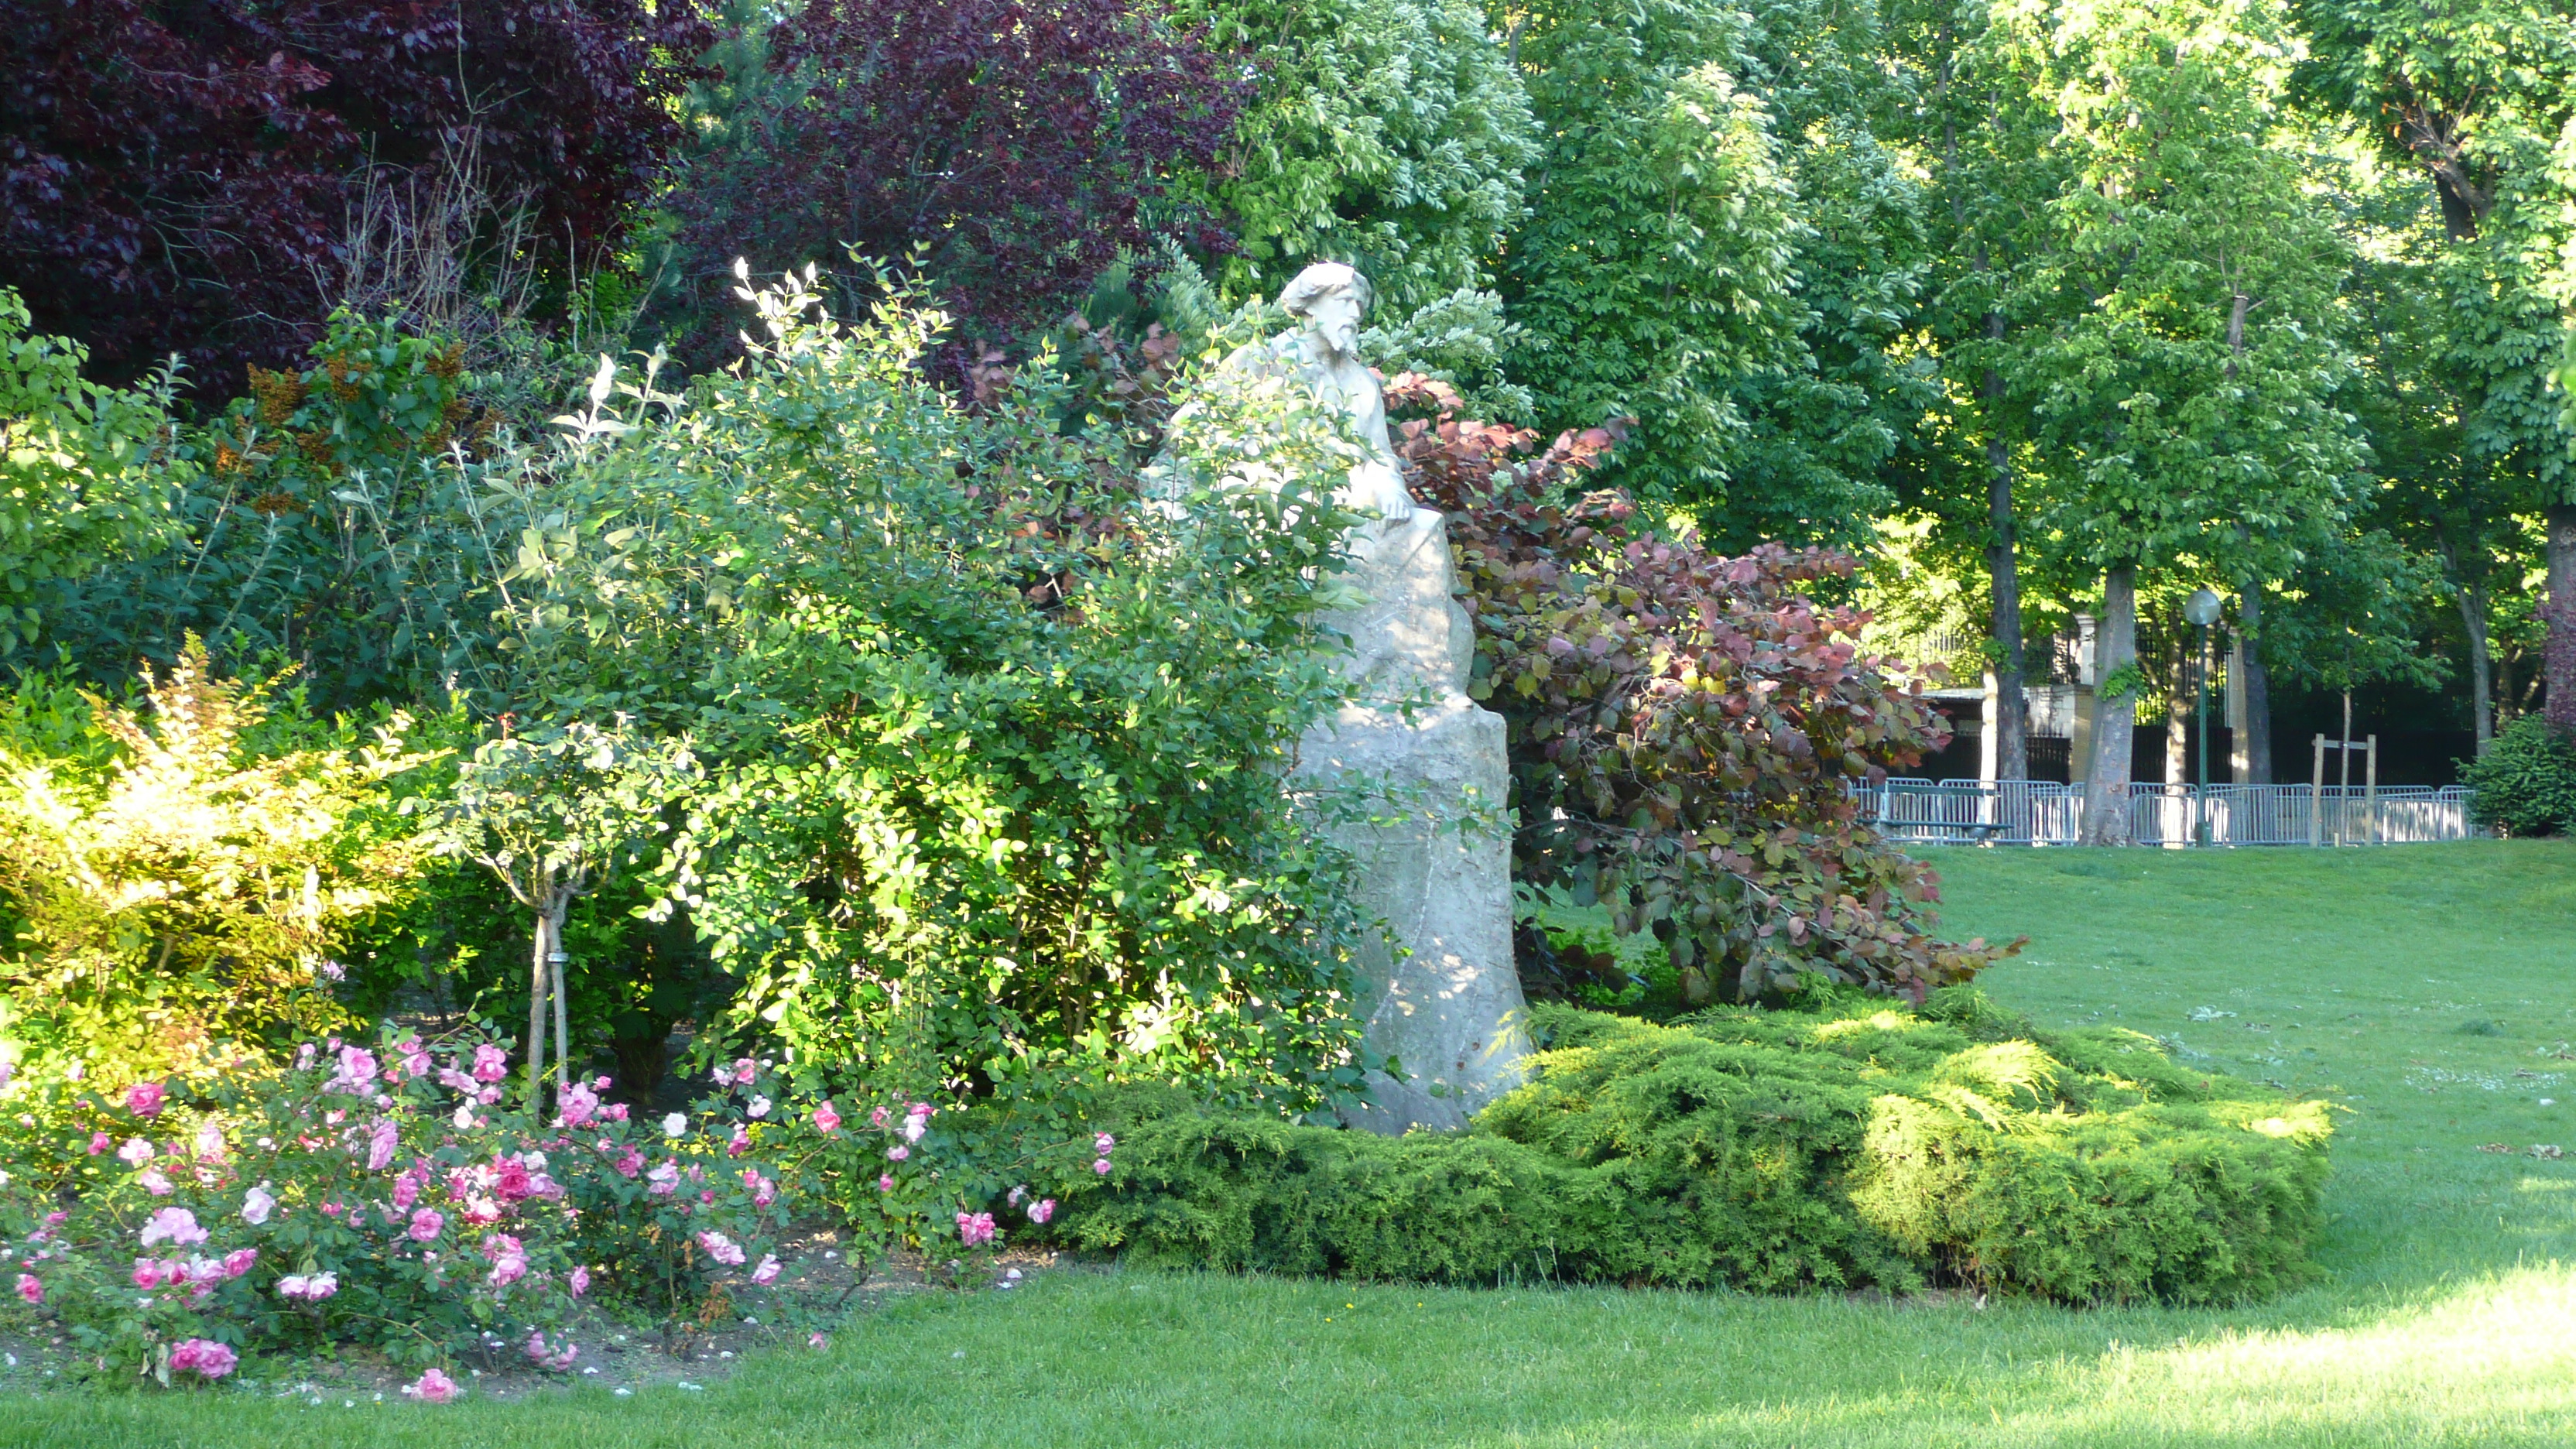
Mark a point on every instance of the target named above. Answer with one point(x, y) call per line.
point(1857, 1144)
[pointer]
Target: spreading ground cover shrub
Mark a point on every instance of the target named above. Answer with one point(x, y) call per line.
point(396, 1196)
point(1849, 1142)
point(2526, 781)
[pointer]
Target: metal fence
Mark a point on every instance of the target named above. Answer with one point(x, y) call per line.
point(2043, 812)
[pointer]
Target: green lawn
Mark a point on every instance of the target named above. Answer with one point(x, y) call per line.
point(2423, 987)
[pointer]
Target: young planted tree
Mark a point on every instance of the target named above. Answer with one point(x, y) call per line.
point(552, 813)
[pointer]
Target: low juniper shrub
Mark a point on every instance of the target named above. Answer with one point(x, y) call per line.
point(1857, 1143)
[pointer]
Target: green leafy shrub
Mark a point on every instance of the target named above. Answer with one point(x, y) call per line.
point(85, 472)
point(994, 727)
point(1851, 1143)
point(2526, 783)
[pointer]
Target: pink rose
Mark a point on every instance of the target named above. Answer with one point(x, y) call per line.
point(491, 1063)
point(153, 1181)
point(240, 1261)
point(426, 1224)
point(381, 1144)
point(431, 1387)
point(173, 1225)
point(144, 1099)
point(509, 1259)
point(31, 1288)
point(1103, 1143)
point(664, 1180)
point(826, 1121)
point(579, 1104)
point(136, 1151)
point(746, 1071)
point(898, 1153)
point(257, 1204)
point(1101, 1166)
point(975, 1229)
point(147, 1274)
point(356, 1073)
point(97, 1143)
point(631, 1164)
point(767, 1272)
point(578, 1281)
point(740, 1142)
point(1041, 1211)
point(614, 1111)
point(203, 1357)
point(721, 1248)
point(406, 1191)
point(885, 1182)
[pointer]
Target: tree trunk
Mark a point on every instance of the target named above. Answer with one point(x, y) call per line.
point(2473, 618)
point(2178, 701)
point(562, 998)
point(2115, 715)
point(537, 995)
point(2257, 686)
point(2003, 564)
point(2559, 663)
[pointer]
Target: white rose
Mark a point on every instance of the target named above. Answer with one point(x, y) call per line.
point(675, 1124)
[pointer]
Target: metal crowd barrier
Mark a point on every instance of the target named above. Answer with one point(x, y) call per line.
point(2043, 812)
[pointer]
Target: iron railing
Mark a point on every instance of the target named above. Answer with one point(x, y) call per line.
point(2043, 812)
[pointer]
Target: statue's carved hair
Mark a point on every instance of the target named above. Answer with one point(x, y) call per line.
point(1322, 280)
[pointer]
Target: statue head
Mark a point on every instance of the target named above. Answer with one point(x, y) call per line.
point(1331, 298)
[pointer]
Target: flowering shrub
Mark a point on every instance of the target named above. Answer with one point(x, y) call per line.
point(393, 1196)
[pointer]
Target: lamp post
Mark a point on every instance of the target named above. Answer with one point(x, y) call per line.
point(2202, 609)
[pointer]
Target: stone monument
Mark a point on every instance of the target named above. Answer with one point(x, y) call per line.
point(1441, 996)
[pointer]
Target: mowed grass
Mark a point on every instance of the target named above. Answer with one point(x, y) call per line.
point(2416, 986)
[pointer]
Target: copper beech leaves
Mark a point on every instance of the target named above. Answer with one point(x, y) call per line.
point(1685, 728)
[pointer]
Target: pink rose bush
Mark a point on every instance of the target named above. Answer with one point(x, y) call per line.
point(344, 1199)
point(402, 1196)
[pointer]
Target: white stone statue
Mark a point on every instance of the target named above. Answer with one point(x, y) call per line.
point(1323, 355)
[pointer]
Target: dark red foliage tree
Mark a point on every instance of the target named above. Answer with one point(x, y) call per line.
point(1018, 144)
point(1684, 728)
point(176, 177)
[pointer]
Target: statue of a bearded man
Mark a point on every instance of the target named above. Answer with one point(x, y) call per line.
point(1323, 354)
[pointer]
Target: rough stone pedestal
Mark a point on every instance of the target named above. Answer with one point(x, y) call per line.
point(1451, 1011)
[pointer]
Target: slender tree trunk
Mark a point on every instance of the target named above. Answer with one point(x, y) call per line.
point(2178, 702)
point(2559, 663)
point(562, 998)
point(2115, 716)
point(2473, 619)
point(2257, 686)
point(537, 995)
point(2003, 563)
point(2471, 595)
